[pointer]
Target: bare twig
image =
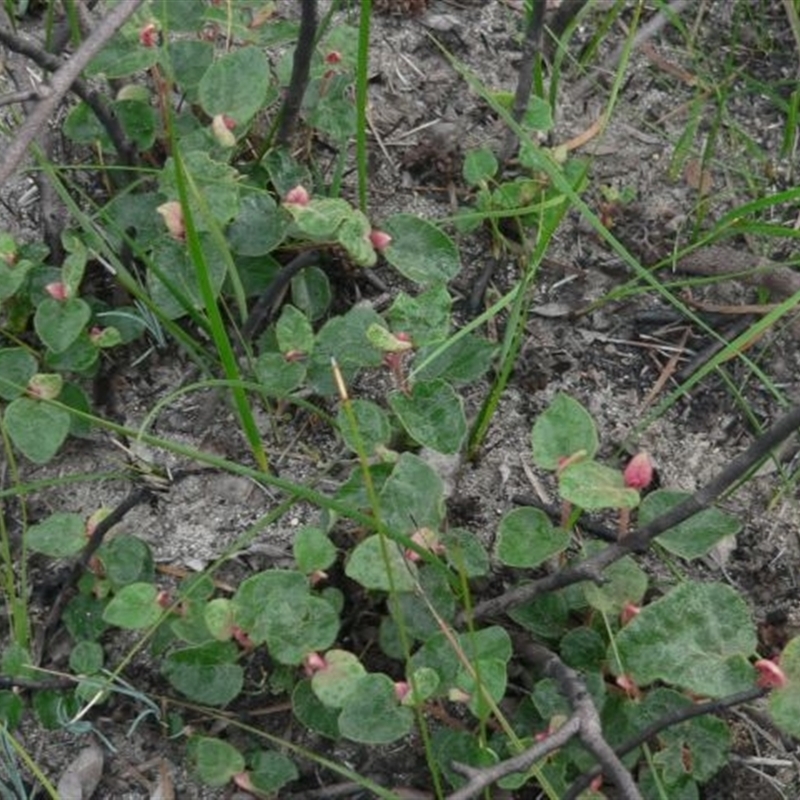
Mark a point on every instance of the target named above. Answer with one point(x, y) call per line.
point(675, 717)
point(301, 68)
point(62, 82)
point(583, 723)
point(592, 568)
point(531, 48)
point(92, 98)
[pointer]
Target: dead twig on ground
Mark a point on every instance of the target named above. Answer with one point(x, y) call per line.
point(61, 83)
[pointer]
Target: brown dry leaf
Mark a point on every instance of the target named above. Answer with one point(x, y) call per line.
point(698, 178)
point(80, 779)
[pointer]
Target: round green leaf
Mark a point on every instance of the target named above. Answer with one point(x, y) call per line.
point(420, 251)
point(311, 292)
point(626, 582)
point(219, 618)
point(258, 227)
point(379, 563)
point(527, 538)
point(313, 713)
point(313, 549)
point(60, 322)
point(17, 367)
point(237, 84)
point(432, 414)
point(372, 714)
point(38, 430)
point(293, 331)
point(12, 277)
point(698, 637)
point(479, 166)
point(270, 771)
point(334, 684)
point(127, 559)
point(413, 496)
point(206, 674)
point(564, 429)
point(371, 426)
point(278, 376)
point(60, 535)
point(135, 606)
point(593, 486)
point(693, 537)
point(86, 658)
point(296, 629)
point(216, 761)
point(138, 121)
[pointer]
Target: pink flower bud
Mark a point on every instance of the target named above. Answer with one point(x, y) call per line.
point(770, 675)
point(222, 133)
point(149, 35)
point(334, 57)
point(298, 196)
point(639, 472)
point(230, 122)
point(401, 690)
point(244, 782)
point(317, 576)
point(242, 638)
point(629, 611)
point(380, 240)
point(313, 662)
point(172, 214)
point(628, 685)
point(57, 290)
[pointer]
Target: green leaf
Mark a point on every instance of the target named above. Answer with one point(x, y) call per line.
point(295, 629)
point(353, 236)
point(698, 637)
point(37, 429)
point(127, 559)
point(425, 318)
point(626, 582)
point(135, 606)
point(216, 761)
point(527, 538)
point(372, 426)
point(694, 537)
point(123, 56)
point(412, 610)
point(138, 120)
point(59, 322)
point(784, 704)
point(420, 251)
point(257, 594)
point(697, 748)
point(12, 277)
point(320, 219)
point(564, 429)
point(294, 331)
point(433, 415)
point(379, 563)
point(479, 166)
point(237, 84)
point(313, 713)
point(312, 549)
point(593, 486)
point(489, 683)
point(278, 376)
point(465, 552)
point(311, 292)
point(205, 674)
point(258, 228)
point(372, 714)
point(270, 771)
point(334, 684)
point(463, 362)
point(546, 615)
point(60, 535)
point(86, 658)
point(413, 496)
point(180, 275)
point(345, 339)
point(218, 615)
point(17, 367)
point(189, 60)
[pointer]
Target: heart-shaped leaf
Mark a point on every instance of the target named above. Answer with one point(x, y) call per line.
point(37, 429)
point(60, 322)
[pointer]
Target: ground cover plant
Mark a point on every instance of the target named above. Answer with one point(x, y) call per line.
point(580, 647)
